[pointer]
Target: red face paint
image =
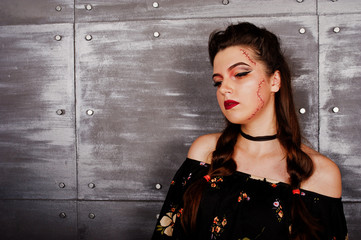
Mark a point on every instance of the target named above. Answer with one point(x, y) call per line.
point(247, 56)
point(259, 98)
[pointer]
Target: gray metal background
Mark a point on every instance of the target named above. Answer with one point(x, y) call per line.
point(80, 176)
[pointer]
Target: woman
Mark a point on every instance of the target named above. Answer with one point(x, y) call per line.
point(255, 180)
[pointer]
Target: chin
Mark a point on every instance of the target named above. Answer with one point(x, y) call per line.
point(237, 120)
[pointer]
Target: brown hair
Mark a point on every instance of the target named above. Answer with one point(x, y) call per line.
point(267, 49)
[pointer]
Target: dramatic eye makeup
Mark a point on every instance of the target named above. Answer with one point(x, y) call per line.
point(237, 70)
point(216, 84)
point(239, 73)
point(217, 80)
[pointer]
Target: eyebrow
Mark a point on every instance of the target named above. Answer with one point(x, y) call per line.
point(231, 67)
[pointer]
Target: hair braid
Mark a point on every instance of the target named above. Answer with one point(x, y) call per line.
point(222, 165)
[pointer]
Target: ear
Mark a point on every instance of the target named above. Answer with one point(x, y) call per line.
point(276, 81)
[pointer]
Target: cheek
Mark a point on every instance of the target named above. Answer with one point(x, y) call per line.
point(249, 92)
point(258, 103)
point(265, 92)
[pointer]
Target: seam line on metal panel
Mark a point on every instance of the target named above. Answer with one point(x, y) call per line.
point(75, 127)
point(318, 82)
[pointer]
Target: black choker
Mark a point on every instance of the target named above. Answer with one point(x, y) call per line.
point(259, 139)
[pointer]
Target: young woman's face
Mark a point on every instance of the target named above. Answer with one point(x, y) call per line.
point(244, 88)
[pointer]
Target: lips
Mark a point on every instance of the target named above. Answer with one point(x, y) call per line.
point(230, 104)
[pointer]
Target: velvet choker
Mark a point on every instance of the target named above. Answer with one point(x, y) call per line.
point(258, 138)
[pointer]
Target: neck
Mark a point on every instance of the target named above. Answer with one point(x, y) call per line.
point(258, 138)
point(265, 128)
point(257, 148)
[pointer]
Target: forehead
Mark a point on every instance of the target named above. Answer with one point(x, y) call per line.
point(231, 55)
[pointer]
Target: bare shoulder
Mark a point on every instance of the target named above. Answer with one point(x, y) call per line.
point(203, 147)
point(326, 178)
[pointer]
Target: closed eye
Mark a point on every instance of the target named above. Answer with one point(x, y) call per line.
point(242, 74)
point(217, 84)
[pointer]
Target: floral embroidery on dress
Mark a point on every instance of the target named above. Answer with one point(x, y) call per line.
point(166, 224)
point(215, 182)
point(243, 196)
point(185, 180)
point(278, 208)
point(218, 227)
point(274, 185)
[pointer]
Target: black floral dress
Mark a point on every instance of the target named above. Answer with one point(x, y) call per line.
point(242, 207)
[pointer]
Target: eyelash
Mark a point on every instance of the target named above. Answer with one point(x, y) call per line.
point(242, 74)
point(238, 75)
point(216, 84)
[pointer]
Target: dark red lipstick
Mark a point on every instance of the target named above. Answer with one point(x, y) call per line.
point(230, 104)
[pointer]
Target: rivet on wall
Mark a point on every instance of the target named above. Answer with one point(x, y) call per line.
point(300, 1)
point(60, 111)
point(58, 8)
point(88, 37)
point(225, 2)
point(62, 215)
point(302, 30)
point(156, 34)
point(62, 185)
point(336, 29)
point(57, 37)
point(88, 7)
point(91, 215)
point(158, 186)
point(333, 0)
point(89, 112)
point(335, 109)
point(302, 110)
point(91, 185)
point(155, 5)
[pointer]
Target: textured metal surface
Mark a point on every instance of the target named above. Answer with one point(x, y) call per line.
point(115, 10)
point(339, 6)
point(37, 220)
point(353, 217)
point(340, 77)
point(36, 11)
point(117, 220)
point(37, 146)
point(153, 96)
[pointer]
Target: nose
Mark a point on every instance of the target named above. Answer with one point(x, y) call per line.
point(226, 87)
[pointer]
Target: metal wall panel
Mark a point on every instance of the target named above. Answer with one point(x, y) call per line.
point(353, 218)
point(117, 220)
point(37, 146)
point(38, 219)
point(152, 96)
point(339, 7)
point(36, 11)
point(340, 77)
point(115, 10)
